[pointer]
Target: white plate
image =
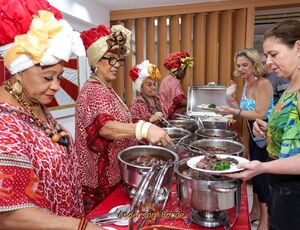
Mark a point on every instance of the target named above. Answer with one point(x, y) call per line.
point(205, 107)
point(233, 168)
point(108, 228)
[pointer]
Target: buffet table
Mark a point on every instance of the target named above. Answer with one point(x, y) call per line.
point(119, 197)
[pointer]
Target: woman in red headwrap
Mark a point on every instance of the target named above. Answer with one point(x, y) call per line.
point(39, 176)
point(147, 106)
point(170, 89)
point(103, 121)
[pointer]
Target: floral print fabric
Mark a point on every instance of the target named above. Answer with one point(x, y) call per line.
point(35, 171)
point(249, 104)
point(171, 94)
point(141, 110)
point(95, 106)
point(283, 135)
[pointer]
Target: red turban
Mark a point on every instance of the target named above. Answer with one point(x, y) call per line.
point(90, 36)
point(173, 61)
point(99, 40)
point(16, 17)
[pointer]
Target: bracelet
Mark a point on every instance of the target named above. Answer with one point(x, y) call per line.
point(145, 129)
point(138, 130)
point(82, 224)
point(239, 113)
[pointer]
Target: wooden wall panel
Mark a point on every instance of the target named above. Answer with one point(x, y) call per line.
point(239, 42)
point(212, 44)
point(139, 40)
point(218, 31)
point(162, 44)
point(250, 27)
point(186, 45)
point(199, 49)
point(128, 63)
point(225, 50)
point(150, 40)
point(174, 35)
point(200, 7)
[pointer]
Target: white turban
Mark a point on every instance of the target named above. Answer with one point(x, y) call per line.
point(47, 42)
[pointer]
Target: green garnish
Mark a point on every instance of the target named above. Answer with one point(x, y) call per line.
point(221, 165)
point(212, 106)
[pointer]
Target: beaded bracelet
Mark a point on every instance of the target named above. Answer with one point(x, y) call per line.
point(145, 129)
point(138, 130)
point(82, 224)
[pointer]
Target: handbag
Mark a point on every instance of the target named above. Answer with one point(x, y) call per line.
point(259, 141)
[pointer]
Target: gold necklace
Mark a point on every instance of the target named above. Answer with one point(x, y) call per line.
point(61, 137)
point(98, 79)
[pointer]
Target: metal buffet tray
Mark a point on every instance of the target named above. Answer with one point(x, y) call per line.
point(207, 94)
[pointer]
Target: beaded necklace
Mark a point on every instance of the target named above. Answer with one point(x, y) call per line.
point(61, 137)
point(98, 79)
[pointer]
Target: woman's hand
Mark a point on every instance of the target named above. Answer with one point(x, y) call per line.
point(156, 117)
point(224, 110)
point(158, 136)
point(252, 169)
point(231, 89)
point(259, 127)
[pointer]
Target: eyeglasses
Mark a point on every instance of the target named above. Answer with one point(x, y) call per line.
point(112, 60)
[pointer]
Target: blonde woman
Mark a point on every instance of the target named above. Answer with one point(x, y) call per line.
point(256, 102)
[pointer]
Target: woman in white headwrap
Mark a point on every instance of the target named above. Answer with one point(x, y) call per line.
point(39, 177)
point(147, 105)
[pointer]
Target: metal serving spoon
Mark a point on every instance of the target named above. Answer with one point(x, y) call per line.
point(111, 217)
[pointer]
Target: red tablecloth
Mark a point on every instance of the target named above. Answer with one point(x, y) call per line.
point(119, 197)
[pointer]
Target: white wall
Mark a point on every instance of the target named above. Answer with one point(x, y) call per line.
point(82, 15)
point(87, 10)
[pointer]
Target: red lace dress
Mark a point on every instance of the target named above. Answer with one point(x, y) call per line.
point(96, 105)
point(35, 171)
point(142, 110)
point(171, 94)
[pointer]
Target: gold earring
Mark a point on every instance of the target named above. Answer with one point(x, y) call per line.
point(17, 88)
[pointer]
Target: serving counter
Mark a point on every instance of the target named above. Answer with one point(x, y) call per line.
point(119, 197)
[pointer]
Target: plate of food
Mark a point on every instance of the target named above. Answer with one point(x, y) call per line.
point(216, 163)
point(212, 107)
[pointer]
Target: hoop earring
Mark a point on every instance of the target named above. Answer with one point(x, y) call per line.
point(17, 88)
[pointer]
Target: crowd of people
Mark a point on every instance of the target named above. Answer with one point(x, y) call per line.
point(282, 131)
point(48, 179)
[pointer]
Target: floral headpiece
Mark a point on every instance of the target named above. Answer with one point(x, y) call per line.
point(178, 60)
point(99, 40)
point(140, 72)
point(47, 42)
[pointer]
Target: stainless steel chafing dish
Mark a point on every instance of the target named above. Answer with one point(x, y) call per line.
point(204, 95)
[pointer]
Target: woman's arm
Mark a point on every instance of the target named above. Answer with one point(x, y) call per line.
point(37, 219)
point(263, 96)
point(117, 130)
point(281, 166)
